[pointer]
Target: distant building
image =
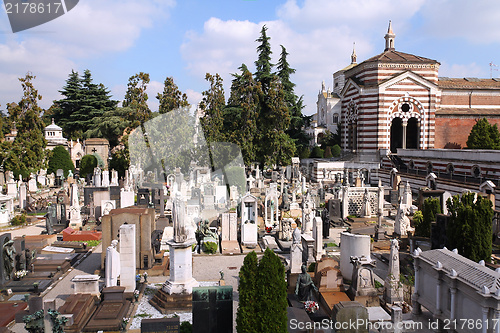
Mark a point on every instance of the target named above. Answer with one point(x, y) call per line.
point(98, 146)
point(54, 136)
point(76, 152)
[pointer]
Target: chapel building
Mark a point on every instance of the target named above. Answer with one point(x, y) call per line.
point(397, 100)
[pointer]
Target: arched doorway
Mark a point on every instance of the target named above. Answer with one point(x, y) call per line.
point(412, 135)
point(396, 134)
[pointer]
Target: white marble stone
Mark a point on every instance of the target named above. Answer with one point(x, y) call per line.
point(86, 284)
point(105, 178)
point(107, 206)
point(22, 196)
point(112, 265)
point(352, 245)
point(181, 269)
point(318, 237)
point(126, 198)
point(249, 234)
point(127, 257)
point(296, 259)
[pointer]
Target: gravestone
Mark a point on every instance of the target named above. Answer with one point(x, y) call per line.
point(249, 234)
point(143, 196)
point(126, 198)
point(3, 275)
point(22, 196)
point(105, 178)
point(229, 243)
point(213, 309)
point(335, 209)
point(127, 257)
point(161, 325)
point(112, 267)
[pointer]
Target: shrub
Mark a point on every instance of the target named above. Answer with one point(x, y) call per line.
point(19, 220)
point(87, 165)
point(210, 247)
point(336, 151)
point(186, 327)
point(317, 152)
point(60, 159)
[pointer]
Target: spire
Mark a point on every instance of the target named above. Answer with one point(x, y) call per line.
point(353, 55)
point(389, 38)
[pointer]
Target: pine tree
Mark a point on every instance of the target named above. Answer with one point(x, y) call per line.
point(469, 226)
point(111, 125)
point(60, 159)
point(28, 149)
point(271, 295)
point(171, 98)
point(246, 320)
point(84, 101)
point(263, 64)
point(136, 98)
point(430, 208)
point(483, 135)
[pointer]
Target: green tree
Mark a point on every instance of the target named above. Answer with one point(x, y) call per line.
point(263, 73)
point(83, 101)
point(271, 294)
point(136, 98)
point(336, 151)
point(87, 165)
point(469, 226)
point(60, 159)
point(120, 157)
point(483, 135)
point(294, 103)
point(171, 98)
point(328, 152)
point(28, 149)
point(430, 208)
point(111, 125)
point(317, 152)
point(246, 319)
point(212, 104)
point(240, 117)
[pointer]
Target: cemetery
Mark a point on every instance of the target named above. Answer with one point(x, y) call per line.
point(350, 250)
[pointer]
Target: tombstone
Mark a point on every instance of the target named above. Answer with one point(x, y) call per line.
point(307, 248)
point(86, 284)
point(318, 237)
point(161, 325)
point(112, 265)
point(97, 177)
point(22, 196)
point(327, 275)
point(127, 198)
point(114, 178)
point(286, 232)
point(344, 313)
point(249, 234)
point(127, 257)
point(362, 288)
point(99, 197)
point(213, 309)
point(143, 197)
point(221, 195)
point(248, 208)
point(229, 242)
point(296, 252)
point(12, 188)
point(105, 178)
point(6, 260)
point(393, 291)
point(107, 206)
point(307, 214)
point(75, 218)
point(274, 176)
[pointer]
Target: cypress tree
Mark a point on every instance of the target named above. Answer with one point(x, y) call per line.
point(263, 64)
point(246, 320)
point(136, 98)
point(271, 295)
point(469, 226)
point(87, 165)
point(430, 208)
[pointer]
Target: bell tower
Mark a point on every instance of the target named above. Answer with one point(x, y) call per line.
point(389, 38)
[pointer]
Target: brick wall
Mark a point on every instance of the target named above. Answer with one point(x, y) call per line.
point(456, 130)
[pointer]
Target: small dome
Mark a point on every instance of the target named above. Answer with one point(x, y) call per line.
point(53, 127)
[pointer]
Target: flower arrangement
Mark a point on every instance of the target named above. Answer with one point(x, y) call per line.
point(311, 306)
point(269, 229)
point(20, 274)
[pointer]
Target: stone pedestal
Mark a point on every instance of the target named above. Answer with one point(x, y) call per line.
point(86, 284)
point(249, 235)
point(126, 198)
point(181, 269)
point(127, 257)
point(318, 238)
point(307, 249)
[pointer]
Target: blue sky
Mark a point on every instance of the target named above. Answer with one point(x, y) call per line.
point(185, 39)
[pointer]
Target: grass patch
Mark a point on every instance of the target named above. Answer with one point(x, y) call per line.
point(331, 244)
point(90, 243)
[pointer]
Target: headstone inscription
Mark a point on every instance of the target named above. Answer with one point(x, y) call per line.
point(161, 325)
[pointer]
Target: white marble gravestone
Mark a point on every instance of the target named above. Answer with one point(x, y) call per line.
point(86, 284)
point(105, 178)
point(112, 265)
point(249, 234)
point(127, 198)
point(127, 257)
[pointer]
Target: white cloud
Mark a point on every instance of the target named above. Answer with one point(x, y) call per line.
point(194, 97)
point(50, 51)
point(462, 70)
point(477, 21)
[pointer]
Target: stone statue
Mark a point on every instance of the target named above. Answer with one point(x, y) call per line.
point(21, 261)
point(179, 220)
point(305, 286)
point(297, 235)
point(9, 254)
point(402, 223)
point(112, 269)
point(366, 210)
point(30, 257)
